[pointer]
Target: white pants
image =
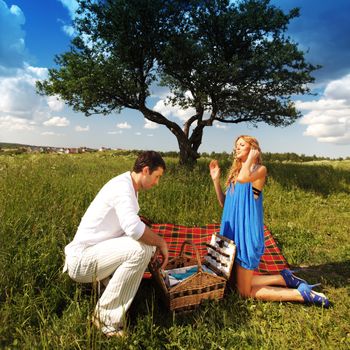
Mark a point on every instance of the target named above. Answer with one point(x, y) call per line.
point(126, 260)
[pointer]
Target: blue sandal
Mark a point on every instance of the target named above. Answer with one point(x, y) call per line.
point(311, 297)
point(293, 281)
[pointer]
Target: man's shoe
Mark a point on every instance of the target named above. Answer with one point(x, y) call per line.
point(108, 331)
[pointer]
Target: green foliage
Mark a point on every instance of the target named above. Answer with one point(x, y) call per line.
point(215, 57)
point(43, 197)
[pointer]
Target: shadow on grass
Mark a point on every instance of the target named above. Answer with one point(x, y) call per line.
point(148, 300)
point(335, 274)
point(232, 310)
point(321, 179)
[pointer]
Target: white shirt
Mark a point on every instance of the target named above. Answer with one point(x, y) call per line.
point(112, 214)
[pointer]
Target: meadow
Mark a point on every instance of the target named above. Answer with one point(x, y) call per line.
point(43, 197)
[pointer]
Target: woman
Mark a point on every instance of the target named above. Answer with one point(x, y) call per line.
point(242, 221)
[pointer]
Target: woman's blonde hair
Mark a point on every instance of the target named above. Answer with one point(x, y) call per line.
point(237, 163)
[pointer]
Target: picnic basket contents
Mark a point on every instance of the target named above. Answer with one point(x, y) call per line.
point(187, 281)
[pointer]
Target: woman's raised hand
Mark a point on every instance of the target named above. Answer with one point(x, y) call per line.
point(214, 170)
point(253, 154)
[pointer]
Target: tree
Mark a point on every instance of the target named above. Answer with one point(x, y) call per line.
point(227, 62)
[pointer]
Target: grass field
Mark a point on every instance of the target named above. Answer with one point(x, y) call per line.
point(43, 197)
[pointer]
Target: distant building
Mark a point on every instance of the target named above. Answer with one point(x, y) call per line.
point(72, 150)
point(102, 149)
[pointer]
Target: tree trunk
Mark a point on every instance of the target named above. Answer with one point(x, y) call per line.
point(188, 155)
point(188, 146)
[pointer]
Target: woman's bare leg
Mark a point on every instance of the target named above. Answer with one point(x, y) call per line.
point(263, 292)
point(268, 280)
point(268, 293)
point(244, 280)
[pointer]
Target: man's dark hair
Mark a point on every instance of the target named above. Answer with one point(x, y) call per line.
point(151, 159)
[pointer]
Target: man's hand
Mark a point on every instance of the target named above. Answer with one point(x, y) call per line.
point(163, 250)
point(155, 255)
point(151, 238)
point(164, 253)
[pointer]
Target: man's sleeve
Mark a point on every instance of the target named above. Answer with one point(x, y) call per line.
point(127, 211)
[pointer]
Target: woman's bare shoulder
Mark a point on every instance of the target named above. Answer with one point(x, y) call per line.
point(261, 169)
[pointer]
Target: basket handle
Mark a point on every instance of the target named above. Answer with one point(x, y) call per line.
point(182, 253)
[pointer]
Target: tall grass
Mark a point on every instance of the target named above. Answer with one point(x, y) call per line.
point(43, 197)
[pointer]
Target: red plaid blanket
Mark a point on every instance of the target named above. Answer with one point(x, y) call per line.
point(271, 262)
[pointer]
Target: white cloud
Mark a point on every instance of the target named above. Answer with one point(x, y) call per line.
point(219, 125)
point(71, 5)
point(115, 132)
point(10, 123)
point(328, 119)
point(339, 89)
point(326, 116)
point(57, 121)
point(124, 125)
point(138, 133)
point(36, 73)
point(18, 94)
point(82, 129)
point(21, 108)
point(150, 125)
point(18, 97)
point(159, 92)
point(69, 30)
point(168, 110)
point(12, 44)
point(321, 104)
point(324, 130)
point(150, 135)
point(55, 103)
point(52, 133)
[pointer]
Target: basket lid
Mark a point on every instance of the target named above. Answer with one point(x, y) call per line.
point(221, 255)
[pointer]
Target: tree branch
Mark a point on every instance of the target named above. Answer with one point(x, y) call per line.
point(188, 124)
point(235, 121)
point(158, 118)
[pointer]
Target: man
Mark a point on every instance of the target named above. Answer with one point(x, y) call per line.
point(112, 240)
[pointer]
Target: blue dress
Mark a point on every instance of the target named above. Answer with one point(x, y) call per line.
point(242, 221)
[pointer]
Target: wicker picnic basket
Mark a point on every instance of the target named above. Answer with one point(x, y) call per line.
point(190, 292)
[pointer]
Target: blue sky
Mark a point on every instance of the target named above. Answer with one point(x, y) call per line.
point(32, 32)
